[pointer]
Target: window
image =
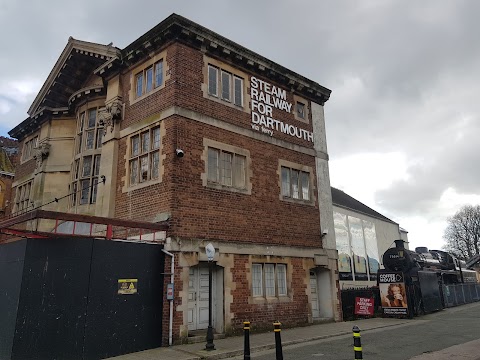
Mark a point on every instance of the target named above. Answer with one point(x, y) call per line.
point(86, 171)
point(29, 147)
point(22, 198)
point(89, 132)
point(230, 91)
point(301, 110)
point(144, 162)
point(269, 280)
point(149, 79)
point(295, 184)
point(226, 168)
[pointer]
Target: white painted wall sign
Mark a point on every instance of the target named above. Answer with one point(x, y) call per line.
point(264, 97)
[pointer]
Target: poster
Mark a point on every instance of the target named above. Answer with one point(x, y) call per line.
point(343, 246)
point(364, 306)
point(393, 293)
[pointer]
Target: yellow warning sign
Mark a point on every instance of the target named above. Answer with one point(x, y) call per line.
point(127, 286)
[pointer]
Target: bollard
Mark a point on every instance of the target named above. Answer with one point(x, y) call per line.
point(246, 344)
point(278, 340)
point(357, 344)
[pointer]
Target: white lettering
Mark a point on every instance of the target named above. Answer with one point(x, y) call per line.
point(253, 82)
point(254, 93)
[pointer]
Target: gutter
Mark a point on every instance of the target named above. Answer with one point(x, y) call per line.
point(170, 322)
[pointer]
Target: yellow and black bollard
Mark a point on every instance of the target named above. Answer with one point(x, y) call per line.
point(278, 340)
point(357, 343)
point(246, 344)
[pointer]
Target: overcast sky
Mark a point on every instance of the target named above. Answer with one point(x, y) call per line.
point(403, 129)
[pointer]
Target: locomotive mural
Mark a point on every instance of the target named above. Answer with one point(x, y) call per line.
point(423, 274)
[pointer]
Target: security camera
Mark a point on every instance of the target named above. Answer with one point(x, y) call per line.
point(324, 232)
point(179, 153)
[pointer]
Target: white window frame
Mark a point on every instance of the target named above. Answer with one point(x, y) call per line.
point(263, 285)
point(220, 75)
point(141, 89)
point(143, 150)
point(220, 171)
point(288, 190)
point(215, 70)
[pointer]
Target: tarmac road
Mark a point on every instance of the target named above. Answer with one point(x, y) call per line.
point(449, 334)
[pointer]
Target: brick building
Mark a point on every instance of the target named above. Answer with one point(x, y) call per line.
point(8, 157)
point(186, 126)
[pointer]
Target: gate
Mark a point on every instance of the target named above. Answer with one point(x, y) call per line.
point(61, 298)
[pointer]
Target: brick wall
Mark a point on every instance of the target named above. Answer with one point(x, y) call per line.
point(290, 313)
point(200, 212)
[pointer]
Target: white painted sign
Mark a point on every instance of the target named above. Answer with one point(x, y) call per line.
point(264, 97)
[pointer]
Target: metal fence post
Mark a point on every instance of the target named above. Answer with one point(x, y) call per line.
point(278, 340)
point(357, 343)
point(246, 343)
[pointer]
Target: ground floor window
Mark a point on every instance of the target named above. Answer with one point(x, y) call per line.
point(269, 280)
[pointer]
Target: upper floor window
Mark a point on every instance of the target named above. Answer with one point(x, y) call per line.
point(144, 157)
point(225, 85)
point(269, 280)
point(86, 171)
point(295, 184)
point(22, 197)
point(29, 147)
point(301, 110)
point(226, 168)
point(89, 132)
point(149, 79)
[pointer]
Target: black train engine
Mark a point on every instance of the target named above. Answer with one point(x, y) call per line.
point(425, 272)
point(448, 268)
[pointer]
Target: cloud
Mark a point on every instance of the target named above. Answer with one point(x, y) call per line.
point(402, 121)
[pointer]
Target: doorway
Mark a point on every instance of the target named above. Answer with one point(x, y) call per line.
point(314, 295)
point(198, 297)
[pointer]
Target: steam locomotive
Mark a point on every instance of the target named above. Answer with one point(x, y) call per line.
point(448, 268)
point(426, 275)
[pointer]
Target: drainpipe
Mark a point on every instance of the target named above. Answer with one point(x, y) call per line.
point(170, 323)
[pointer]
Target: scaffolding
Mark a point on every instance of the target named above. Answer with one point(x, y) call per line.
point(48, 224)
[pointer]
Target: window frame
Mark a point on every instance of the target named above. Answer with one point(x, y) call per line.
point(246, 186)
point(137, 150)
point(142, 90)
point(216, 74)
point(278, 277)
point(28, 148)
point(296, 194)
point(23, 194)
point(84, 128)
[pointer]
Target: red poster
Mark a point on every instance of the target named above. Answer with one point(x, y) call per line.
point(363, 306)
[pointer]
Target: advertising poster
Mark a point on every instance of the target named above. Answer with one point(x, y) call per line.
point(343, 246)
point(358, 248)
point(393, 293)
point(372, 250)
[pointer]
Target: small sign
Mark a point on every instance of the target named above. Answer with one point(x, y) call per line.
point(169, 291)
point(127, 286)
point(363, 306)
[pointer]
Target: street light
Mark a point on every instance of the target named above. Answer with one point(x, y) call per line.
point(210, 250)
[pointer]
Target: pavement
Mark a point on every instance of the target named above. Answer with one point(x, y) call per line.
point(233, 346)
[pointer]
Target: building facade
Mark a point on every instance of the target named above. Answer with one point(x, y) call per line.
point(362, 236)
point(186, 126)
point(8, 157)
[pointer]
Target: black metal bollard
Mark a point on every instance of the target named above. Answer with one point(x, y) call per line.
point(246, 344)
point(357, 343)
point(278, 340)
